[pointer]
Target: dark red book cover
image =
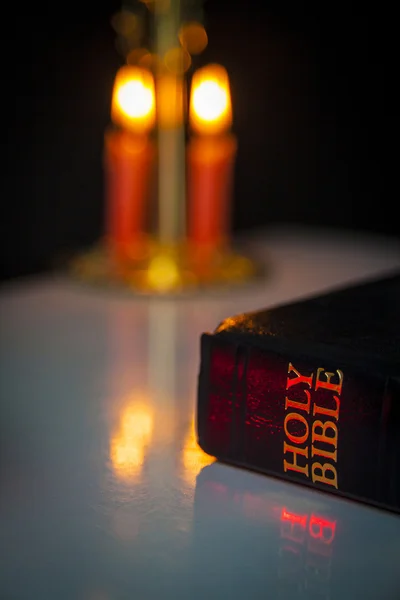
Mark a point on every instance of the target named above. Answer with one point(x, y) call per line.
point(310, 392)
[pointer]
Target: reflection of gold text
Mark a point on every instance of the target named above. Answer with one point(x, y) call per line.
point(305, 553)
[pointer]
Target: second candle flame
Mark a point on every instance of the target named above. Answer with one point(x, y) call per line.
point(210, 101)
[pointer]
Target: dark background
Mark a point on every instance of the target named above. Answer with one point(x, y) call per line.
point(310, 112)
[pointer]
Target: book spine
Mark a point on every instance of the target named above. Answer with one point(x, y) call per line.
point(329, 426)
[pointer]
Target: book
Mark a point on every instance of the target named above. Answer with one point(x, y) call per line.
point(310, 392)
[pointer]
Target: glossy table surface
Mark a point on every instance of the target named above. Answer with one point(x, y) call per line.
point(104, 494)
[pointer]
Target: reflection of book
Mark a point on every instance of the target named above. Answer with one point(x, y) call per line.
point(310, 392)
point(274, 540)
point(288, 543)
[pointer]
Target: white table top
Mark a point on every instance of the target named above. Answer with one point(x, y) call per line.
point(104, 494)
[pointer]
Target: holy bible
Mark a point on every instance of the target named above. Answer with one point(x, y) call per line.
point(310, 392)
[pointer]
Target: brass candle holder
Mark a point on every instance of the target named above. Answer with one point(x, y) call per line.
point(168, 201)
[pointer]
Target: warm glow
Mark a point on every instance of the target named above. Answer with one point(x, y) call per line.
point(133, 103)
point(150, 61)
point(193, 37)
point(194, 459)
point(210, 101)
point(136, 55)
point(163, 274)
point(177, 61)
point(170, 101)
point(128, 446)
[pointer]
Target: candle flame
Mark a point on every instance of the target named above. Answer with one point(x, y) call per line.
point(210, 101)
point(134, 99)
point(133, 103)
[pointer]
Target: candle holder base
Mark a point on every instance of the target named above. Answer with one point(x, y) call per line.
point(166, 270)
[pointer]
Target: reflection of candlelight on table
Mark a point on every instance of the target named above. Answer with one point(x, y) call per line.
point(211, 154)
point(162, 366)
point(129, 443)
point(128, 158)
point(162, 342)
point(193, 457)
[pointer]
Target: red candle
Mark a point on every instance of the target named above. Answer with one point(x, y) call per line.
point(210, 174)
point(210, 159)
point(128, 157)
point(128, 162)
